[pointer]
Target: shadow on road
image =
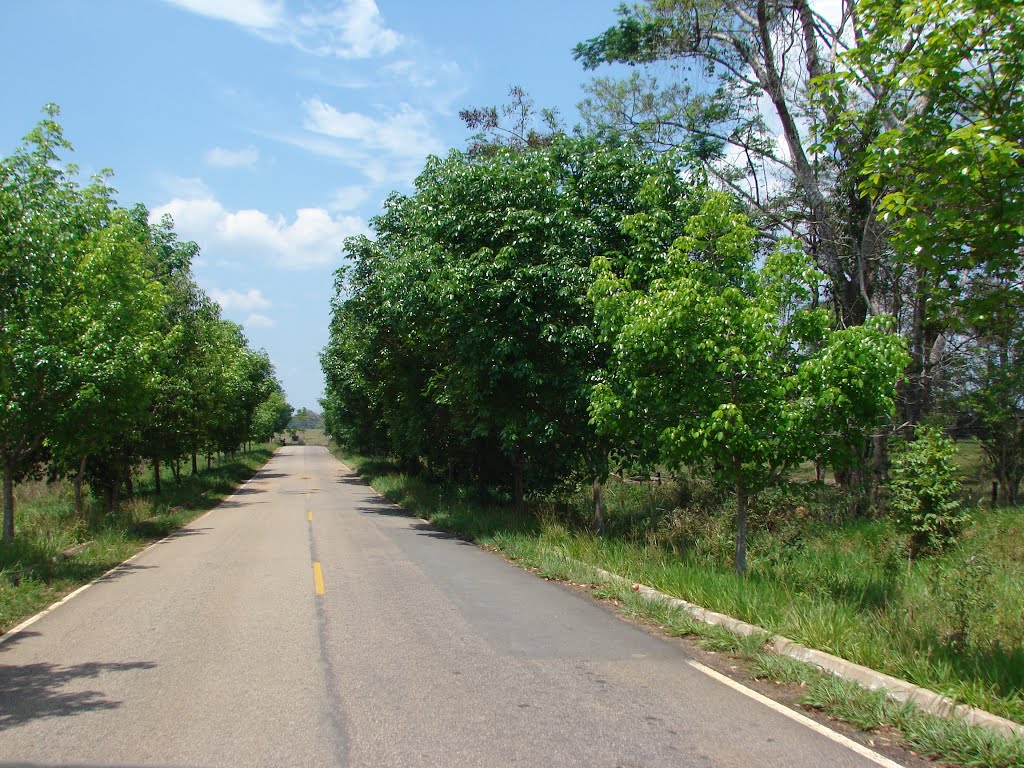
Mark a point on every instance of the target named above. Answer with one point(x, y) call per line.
point(33, 691)
point(374, 505)
point(269, 475)
point(248, 491)
point(235, 504)
point(17, 637)
point(182, 532)
point(119, 571)
point(423, 529)
point(351, 480)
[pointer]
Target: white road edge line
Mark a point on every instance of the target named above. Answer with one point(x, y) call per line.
point(16, 630)
point(815, 726)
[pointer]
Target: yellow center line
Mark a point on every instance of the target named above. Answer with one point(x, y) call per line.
point(318, 579)
point(310, 516)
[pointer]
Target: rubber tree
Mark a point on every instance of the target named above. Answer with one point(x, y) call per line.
point(115, 311)
point(718, 363)
point(466, 324)
point(36, 275)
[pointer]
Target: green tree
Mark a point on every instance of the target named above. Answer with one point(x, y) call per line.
point(463, 334)
point(115, 310)
point(306, 419)
point(38, 241)
point(717, 363)
point(925, 492)
point(165, 427)
point(272, 416)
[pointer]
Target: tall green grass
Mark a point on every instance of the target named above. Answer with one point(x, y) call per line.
point(32, 572)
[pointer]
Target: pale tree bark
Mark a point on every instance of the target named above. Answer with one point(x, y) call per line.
point(598, 521)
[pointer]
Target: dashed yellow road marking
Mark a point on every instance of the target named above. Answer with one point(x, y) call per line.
point(318, 579)
point(310, 517)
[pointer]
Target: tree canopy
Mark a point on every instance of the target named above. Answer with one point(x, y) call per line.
point(109, 351)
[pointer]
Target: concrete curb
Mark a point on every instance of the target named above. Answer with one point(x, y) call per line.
point(894, 688)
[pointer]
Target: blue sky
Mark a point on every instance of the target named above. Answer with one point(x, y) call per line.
point(273, 129)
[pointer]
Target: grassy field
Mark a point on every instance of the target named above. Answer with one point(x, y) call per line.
point(819, 574)
point(33, 574)
point(313, 437)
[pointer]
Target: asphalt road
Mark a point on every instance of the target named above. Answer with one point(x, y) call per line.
point(307, 622)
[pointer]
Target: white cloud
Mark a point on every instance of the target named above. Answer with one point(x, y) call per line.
point(380, 169)
point(411, 71)
point(253, 14)
point(258, 321)
point(405, 133)
point(353, 29)
point(232, 300)
point(233, 158)
point(184, 186)
point(348, 198)
point(311, 238)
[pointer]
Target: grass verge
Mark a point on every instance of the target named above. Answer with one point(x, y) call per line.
point(951, 624)
point(33, 574)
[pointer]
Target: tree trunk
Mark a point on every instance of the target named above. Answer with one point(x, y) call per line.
point(1009, 483)
point(598, 522)
point(77, 484)
point(195, 463)
point(879, 466)
point(927, 343)
point(176, 471)
point(156, 475)
point(129, 481)
point(482, 491)
point(741, 531)
point(518, 494)
point(8, 537)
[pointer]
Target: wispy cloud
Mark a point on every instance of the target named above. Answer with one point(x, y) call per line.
point(253, 14)
point(183, 186)
point(388, 149)
point(348, 198)
point(310, 239)
point(233, 300)
point(351, 29)
point(233, 158)
point(407, 132)
point(256, 320)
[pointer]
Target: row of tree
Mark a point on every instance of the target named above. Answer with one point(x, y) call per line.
point(530, 318)
point(545, 306)
point(110, 354)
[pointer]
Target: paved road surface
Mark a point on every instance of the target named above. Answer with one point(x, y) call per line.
point(214, 648)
